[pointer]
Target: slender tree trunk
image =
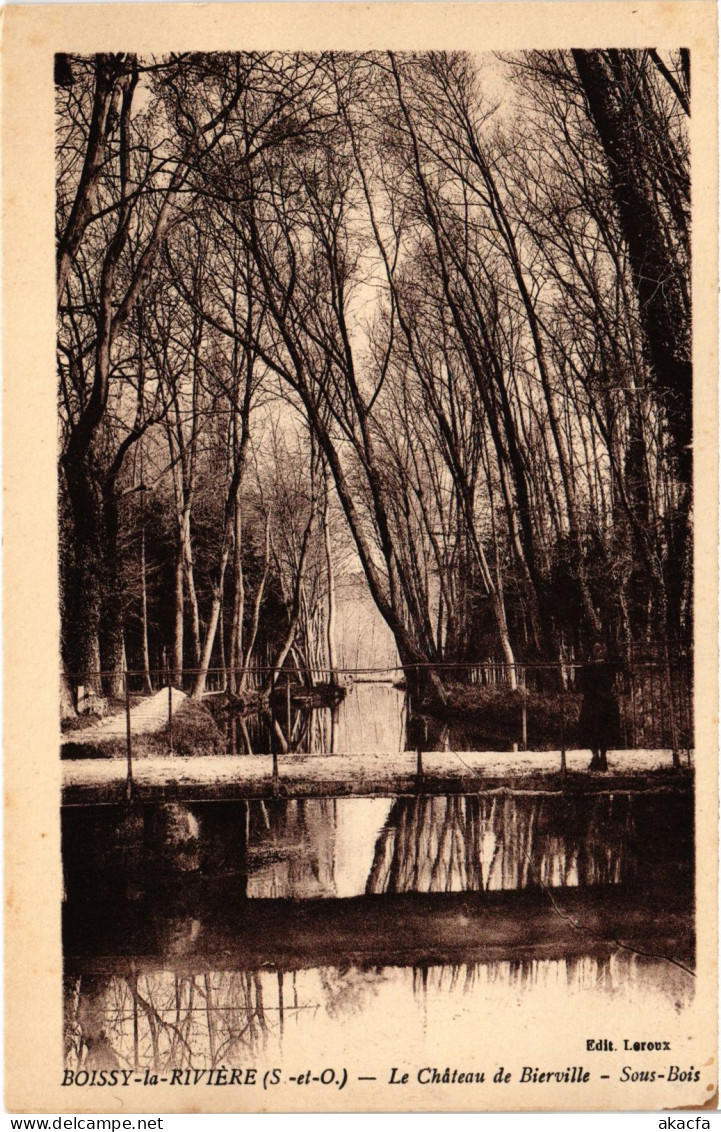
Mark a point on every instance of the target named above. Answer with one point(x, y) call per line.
point(330, 582)
point(187, 547)
point(225, 547)
point(179, 619)
point(221, 648)
point(384, 591)
point(480, 359)
point(235, 658)
point(144, 613)
point(112, 629)
point(257, 604)
point(204, 663)
point(106, 95)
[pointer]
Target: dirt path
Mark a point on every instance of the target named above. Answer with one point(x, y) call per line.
point(145, 717)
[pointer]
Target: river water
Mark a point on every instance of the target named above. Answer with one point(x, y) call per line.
point(371, 717)
point(380, 716)
point(248, 933)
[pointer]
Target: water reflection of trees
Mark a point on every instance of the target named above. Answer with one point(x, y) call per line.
point(291, 848)
point(164, 1021)
point(371, 717)
point(349, 990)
point(608, 973)
point(168, 1021)
point(478, 843)
point(277, 848)
point(309, 730)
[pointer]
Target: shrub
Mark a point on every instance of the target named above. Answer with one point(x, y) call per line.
point(195, 732)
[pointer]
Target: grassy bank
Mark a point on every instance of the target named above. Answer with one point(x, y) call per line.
point(195, 732)
point(496, 712)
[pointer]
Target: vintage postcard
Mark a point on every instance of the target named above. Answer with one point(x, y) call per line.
point(360, 557)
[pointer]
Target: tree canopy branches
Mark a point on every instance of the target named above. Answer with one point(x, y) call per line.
point(467, 318)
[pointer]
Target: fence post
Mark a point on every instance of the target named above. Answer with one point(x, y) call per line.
point(419, 769)
point(672, 709)
point(563, 722)
point(287, 707)
point(128, 742)
point(170, 714)
point(524, 712)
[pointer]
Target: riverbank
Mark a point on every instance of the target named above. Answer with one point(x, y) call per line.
point(542, 719)
point(301, 696)
point(197, 728)
point(504, 712)
point(193, 730)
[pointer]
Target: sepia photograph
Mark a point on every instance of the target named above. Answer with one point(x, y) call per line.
point(376, 574)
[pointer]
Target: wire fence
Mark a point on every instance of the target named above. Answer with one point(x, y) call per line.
point(522, 707)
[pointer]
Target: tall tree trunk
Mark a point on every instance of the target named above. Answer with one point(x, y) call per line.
point(235, 658)
point(189, 576)
point(204, 663)
point(615, 98)
point(330, 583)
point(67, 701)
point(221, 648)
point(614, 109)
point(477, 343)
point(179, 619)
point(112, 629)
point(82, 600)
point(255, 623)
point(144, 613)
point(108, 73)
point(226, 543)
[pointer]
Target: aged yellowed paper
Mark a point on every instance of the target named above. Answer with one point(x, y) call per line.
point(360, 557)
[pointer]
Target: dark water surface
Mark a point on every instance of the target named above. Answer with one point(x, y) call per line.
point(382, 717)
point(370, 717)
point(220, 933)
